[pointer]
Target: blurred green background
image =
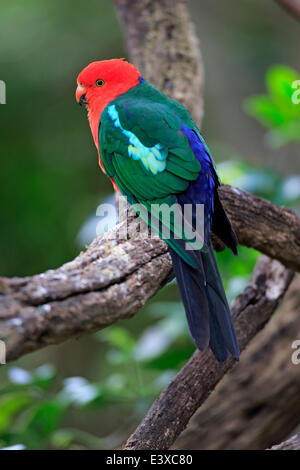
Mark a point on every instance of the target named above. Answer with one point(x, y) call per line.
point(91, 392)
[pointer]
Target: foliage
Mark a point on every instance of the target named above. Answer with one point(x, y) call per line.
point(279, 110)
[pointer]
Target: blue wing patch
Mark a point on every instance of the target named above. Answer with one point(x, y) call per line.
point(201, 191)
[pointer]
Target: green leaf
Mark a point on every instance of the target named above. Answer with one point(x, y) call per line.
point(279, 80)
point(62, 438)
point(121, 339)
point(43, 418)
point(10, 405)
point(278, 111)
point(264, 110)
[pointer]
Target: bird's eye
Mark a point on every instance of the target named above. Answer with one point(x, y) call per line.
point(100, 82)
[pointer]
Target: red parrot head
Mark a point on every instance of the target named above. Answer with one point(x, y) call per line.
point(101, 82)
point(105, 80)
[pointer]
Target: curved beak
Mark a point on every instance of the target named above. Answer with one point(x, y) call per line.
point(81, 95)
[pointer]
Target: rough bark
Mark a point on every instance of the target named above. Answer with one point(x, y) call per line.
point(162, 42)
point(258, 404)
point(293, 443)
point(108, 282)
point(275, 231)
point(171, 412)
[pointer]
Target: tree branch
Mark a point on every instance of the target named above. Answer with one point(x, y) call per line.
point(161, 41)
point(293, 443)
point(292, 6)
point(114, 278)
point(172, 410)
point(108, 282)
point(257, 404)
point(259, 224)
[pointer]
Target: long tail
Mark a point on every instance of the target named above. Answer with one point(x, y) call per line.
point(205, 303)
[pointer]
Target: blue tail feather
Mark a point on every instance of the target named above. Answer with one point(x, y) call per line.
point(205, 303)
point(201, 287)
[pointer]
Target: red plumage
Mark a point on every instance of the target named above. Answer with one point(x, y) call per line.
point(119, 76)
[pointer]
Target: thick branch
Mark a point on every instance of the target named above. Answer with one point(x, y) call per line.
point(108, 282)
point(171, 412)
point(273, 230)
point(258, 404)
point(114, 278)
point(162, 42)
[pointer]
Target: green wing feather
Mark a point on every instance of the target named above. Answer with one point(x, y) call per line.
point(144, 150)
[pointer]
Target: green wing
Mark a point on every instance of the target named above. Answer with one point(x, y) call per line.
point(143, 149)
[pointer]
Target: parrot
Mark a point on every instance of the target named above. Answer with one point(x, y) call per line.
point(153, 152)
